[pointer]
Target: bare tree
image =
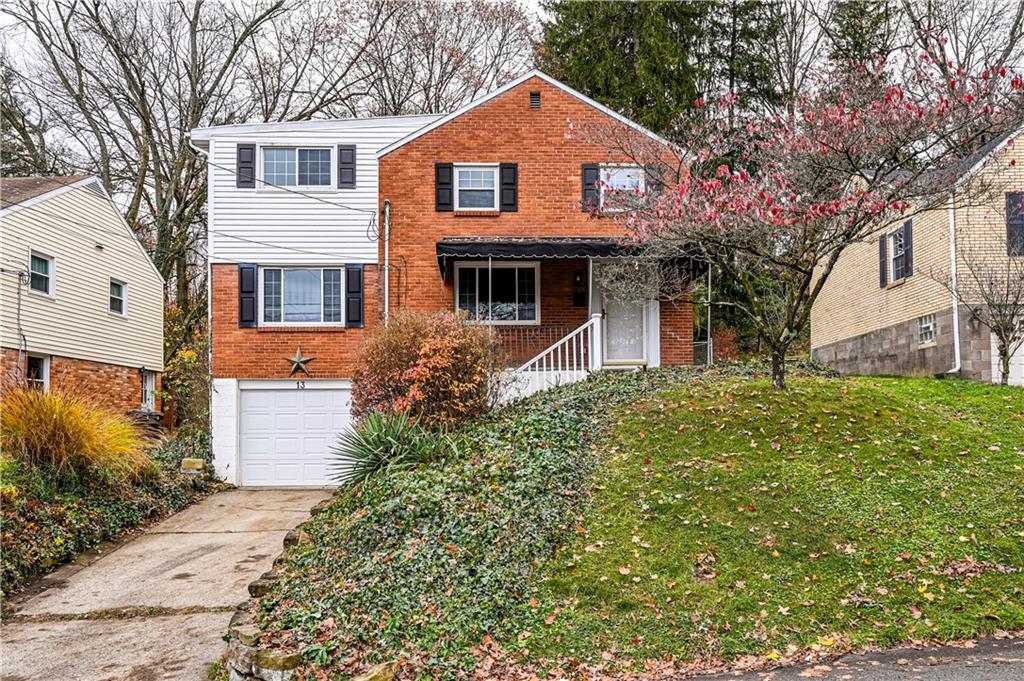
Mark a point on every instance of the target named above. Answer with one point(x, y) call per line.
point(26, 146)
point(965, 36)
point(796, 52)
point(990, 282)
point(434, 56)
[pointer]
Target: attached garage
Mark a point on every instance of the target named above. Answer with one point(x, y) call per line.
point(286, 429)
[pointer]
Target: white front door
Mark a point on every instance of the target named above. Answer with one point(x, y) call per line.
point(624, 332)
point(285, 434)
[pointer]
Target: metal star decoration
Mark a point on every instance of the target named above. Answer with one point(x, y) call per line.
point(299, 362)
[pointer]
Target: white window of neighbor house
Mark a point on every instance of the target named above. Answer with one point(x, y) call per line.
point(503, 293)
point(37, 372)
point(897, 256)
point(118, 297)
point(926, 329)
point(301, 295)
point(297, 166)
point(476, 187)
point(41, 273)
point(620, 180)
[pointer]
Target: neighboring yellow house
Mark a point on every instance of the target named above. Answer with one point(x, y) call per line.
point(81, 303)
point(882, 310)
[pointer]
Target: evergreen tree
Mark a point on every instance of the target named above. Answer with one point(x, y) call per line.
point(860, 30)
point(634, 57)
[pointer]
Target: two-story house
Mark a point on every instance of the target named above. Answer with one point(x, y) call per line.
point(888, 306)
point(320, 230)
point(81, 303)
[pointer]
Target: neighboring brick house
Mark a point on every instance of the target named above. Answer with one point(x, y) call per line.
point(498, 201)
point(883, 310)
point(82, 303)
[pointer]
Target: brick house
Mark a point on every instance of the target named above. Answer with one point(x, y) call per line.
point(82, 301)
point(883, 310)
point(320, 230)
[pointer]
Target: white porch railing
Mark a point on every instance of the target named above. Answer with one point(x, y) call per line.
point(567, 361)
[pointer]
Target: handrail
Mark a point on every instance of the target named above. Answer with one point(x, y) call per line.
point(579, 350)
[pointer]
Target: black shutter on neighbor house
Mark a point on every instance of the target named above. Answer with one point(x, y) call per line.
point(908, 248)
point(883, 262)
point(245, 166)
point(591, 173)
point(653, 184)
point(1015, 224)
point(247, 296)
point(444, 180)
point(354, 296)
point(508, 174)
point(346, 166)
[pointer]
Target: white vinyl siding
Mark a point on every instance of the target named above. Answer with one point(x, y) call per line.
point(322, 224)
point(87, 239)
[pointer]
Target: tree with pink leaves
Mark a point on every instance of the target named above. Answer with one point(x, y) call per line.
point(774, 201)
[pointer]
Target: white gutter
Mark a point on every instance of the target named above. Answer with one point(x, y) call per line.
point(953, 285)
point(387, 259)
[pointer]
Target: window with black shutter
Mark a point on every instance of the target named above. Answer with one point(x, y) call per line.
point(354, 295)
point(245, 166)
point(591, 173)
point(247, 296)
point(1015, 224)
point(443, 186)
point(883, 262)
point(346, 166)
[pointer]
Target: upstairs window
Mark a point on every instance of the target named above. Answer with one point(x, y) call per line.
point(41, 273)
point(476, 187)
point(621, 181)
point(118, 294)
point(297, 167)
point(302, 295)
point(1015, 224)
point(503, 293)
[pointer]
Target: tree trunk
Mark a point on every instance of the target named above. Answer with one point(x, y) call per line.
point(779, 369)
point(1004, 362)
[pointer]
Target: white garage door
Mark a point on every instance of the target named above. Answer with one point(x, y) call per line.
point(285, 434)
point(1016, 365)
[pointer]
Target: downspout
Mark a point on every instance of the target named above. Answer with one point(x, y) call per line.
point(953, 285)
point(387, 260)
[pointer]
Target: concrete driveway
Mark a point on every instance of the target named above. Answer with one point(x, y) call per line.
point(157, 606)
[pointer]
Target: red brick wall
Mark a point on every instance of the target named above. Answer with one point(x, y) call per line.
point(262, 352)
point(676, 333)
point(114, 386)
point(549, 145)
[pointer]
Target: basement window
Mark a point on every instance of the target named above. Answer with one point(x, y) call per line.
point(926, 329)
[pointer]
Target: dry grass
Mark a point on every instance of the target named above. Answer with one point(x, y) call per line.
point(77, 441)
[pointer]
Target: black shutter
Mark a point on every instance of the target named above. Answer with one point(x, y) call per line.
point(247, 296)
point(654, 184)
point(1015, 224)
point(245, 166)
point(509, 184)
point(346, 166)
point(354, 296)
point(443, 186)
point(591, 173)
point(908, 248)
point(883, 263)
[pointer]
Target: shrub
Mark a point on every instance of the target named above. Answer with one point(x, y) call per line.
point(437, 367)
point(385, 440)
point(74, 441)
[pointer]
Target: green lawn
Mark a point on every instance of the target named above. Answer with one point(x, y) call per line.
point(729, 519)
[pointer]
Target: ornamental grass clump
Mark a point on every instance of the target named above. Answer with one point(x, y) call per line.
point(75, 442)
point(438, 368)
point(392, 440)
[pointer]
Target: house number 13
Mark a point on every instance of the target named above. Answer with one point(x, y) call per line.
point(300, 385)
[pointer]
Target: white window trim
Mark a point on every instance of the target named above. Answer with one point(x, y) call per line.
point(456, 167)
point(262, 185)
point(921, 324)
point(46, 369)
point(603, 172)
point(52, 293)
point(124, 297)
point(891, 253)
point(259, 291)
point(504, 264)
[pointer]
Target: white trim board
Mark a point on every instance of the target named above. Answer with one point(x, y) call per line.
point(509, 86)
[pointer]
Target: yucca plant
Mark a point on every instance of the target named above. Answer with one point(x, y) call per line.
point(66, 437)
point(385, 440)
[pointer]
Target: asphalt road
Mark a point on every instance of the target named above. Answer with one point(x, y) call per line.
point(986, 660)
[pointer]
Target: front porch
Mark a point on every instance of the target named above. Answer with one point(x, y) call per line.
point(554, 321)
